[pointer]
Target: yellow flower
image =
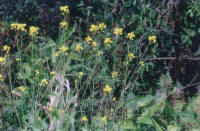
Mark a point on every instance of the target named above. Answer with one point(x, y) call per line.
point(108, 41)
point(94, 44)
point(18, 27)
point(50, 109)
point(99, 53)
point(80, 74)
point(130, 36)
point(63, 48)
point(52, 73)
point(101, 26)
point(88, 39)
point(37, 72)
point(114, 98)
point(104, 118)
point(21, 88)
point(64, 9)
point(44, 81)
point(107, 89)
point(2, 60)
point(6, 48)
point(1, 77)
point(64, 25)
point(57, 53)
point(114, 74)
point(78, 48)
point(141, 63)
point(33, 31)
point(18, 59)
point(131, 56)
point(93, 28)
point(118, 31)
point(85, 119)
point(152, 38)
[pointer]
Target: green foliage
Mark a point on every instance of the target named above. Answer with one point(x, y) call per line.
point(75, 80)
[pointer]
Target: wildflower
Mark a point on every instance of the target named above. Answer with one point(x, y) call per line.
point(93, 28)
point(80, 74)
point(44, 81)
point(130, 36)
point(114, 74)
point(99, 53)
point(108, 41)
point(33, 31)
point(1, 77)
point(94, 44)
point(63, 48)
point(61, 112)
point(78, 48)
point(141, 63)
point(84, 119)
point(18, 59)
point(64, 25)
point(64, 10)
point(101, 26)
point(131, 56)
point(104, 118)
point(50, 109)
point(21, 88)
point(88, 39)
point(18, 27)
point(152, 38)
point(2, 60)
point(118, 31)
point(57, 53)
point(13, 92)
point(52, 73)
point(114, 98)
point(107, 89)
point(37, 73)
point(6, 48)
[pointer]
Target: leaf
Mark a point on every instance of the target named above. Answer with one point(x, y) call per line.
point(145, 101)
point(187, 117)
point(128, 125)
point(173, 128)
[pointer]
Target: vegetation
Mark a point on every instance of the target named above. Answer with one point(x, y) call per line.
point(100, 65)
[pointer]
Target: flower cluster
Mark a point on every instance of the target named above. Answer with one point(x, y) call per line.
point(141, 63)
point(130, 36)
point(64, 10)
point(78, 48)
point(152, 38)
point(108, 41)
point(6, 48)
point(114, 74)
point(84, 119)
point(64, 25)
point(2, 60)
point(21, 88)
point(18, 27)
point(44, 81)
point(107, 89)
point(33, 31)
point(118, 31)
point(131, 56)
point(101, 26)
point(80, 74)
point(93, 28)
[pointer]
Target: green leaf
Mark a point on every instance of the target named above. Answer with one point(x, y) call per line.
point(187, 117)
point(148, 99)
point(173, 128)
point(128, 125)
